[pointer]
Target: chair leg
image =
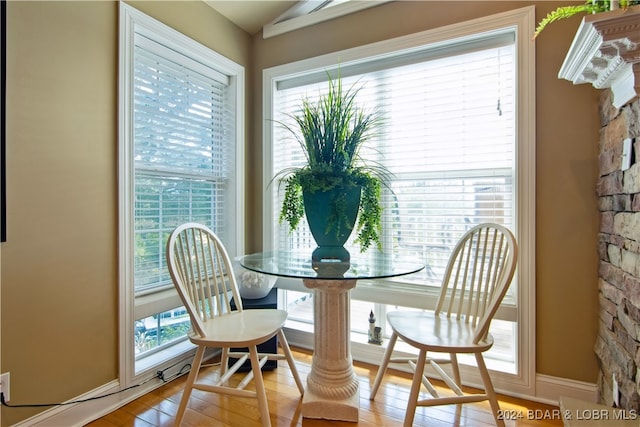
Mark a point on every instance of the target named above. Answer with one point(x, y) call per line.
point(488, 387)
point(224, 360)
point(455, 368)
point(383, 366)
point(415, 389)
point(292, 364)
point(191, 379)
point(259, 383)
point(456, 377)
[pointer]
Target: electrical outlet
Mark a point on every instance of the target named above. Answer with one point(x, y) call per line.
point(627, 148)
point(4, 386)
point(616, 392)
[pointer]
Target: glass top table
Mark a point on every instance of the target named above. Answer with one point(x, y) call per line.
point(298, 264)
point(332, 390)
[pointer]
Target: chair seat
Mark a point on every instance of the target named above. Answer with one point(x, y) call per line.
point(436, 333)
point(241, 328)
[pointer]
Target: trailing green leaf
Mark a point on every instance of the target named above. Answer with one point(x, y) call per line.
point(292, 205)
point(369, 224)
point(590, 6)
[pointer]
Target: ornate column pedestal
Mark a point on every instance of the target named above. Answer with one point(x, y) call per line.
point(332, 387)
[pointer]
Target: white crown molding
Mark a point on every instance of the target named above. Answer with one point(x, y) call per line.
point(606, 53)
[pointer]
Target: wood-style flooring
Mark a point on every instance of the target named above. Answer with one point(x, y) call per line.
point(157, 408)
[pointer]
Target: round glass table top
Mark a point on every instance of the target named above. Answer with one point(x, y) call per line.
point(298, 264)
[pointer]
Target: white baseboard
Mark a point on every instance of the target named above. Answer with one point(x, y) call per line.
point(92, 407)
point(550, 389)
point(79, 414)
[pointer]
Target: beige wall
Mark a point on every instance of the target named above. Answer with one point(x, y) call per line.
point(567, 143)
point(59, 324)
point(59, 265)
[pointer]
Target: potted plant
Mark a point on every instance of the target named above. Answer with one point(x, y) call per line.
point(335, 186)
point(590, 6)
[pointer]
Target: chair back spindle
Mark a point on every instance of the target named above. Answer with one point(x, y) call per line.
point(477, 276)
point(201, 268)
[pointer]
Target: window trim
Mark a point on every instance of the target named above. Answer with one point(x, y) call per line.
point(131, 308)
point(522, 22)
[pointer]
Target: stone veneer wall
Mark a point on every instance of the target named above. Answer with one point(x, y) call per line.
point(618, 342)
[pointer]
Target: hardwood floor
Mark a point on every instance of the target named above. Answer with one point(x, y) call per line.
point(157, 408)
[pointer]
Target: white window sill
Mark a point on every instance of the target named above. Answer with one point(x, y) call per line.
point(153, 361)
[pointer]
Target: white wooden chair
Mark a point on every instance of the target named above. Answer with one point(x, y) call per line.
point(201, 271)
point(475, 281)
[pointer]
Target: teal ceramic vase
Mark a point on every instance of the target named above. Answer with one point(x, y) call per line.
point(330, 236)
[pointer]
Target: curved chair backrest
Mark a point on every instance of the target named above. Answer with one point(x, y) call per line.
point(478, 275)
point(202, 274)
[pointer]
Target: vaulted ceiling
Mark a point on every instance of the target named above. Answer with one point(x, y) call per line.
point(251, 15)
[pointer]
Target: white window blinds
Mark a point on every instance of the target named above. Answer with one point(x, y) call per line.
point(448, 138)
point(183, 152)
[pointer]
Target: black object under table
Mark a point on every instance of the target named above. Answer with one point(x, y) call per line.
point(271, 346)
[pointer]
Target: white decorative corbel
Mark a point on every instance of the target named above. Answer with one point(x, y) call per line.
point(606, 53)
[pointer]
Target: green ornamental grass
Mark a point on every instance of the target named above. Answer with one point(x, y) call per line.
point(331, 133)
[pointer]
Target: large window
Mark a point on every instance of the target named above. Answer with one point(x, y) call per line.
point(453, 105)
point(448, 139)
point(180, 152)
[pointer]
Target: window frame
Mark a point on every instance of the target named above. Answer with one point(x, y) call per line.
point(522, 309)
point(134, 306)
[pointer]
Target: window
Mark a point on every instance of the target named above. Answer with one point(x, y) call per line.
point(180, 157)
point(456, 106)
point(448, 140)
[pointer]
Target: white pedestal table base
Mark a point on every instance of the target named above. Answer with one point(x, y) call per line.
point(332, 387)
